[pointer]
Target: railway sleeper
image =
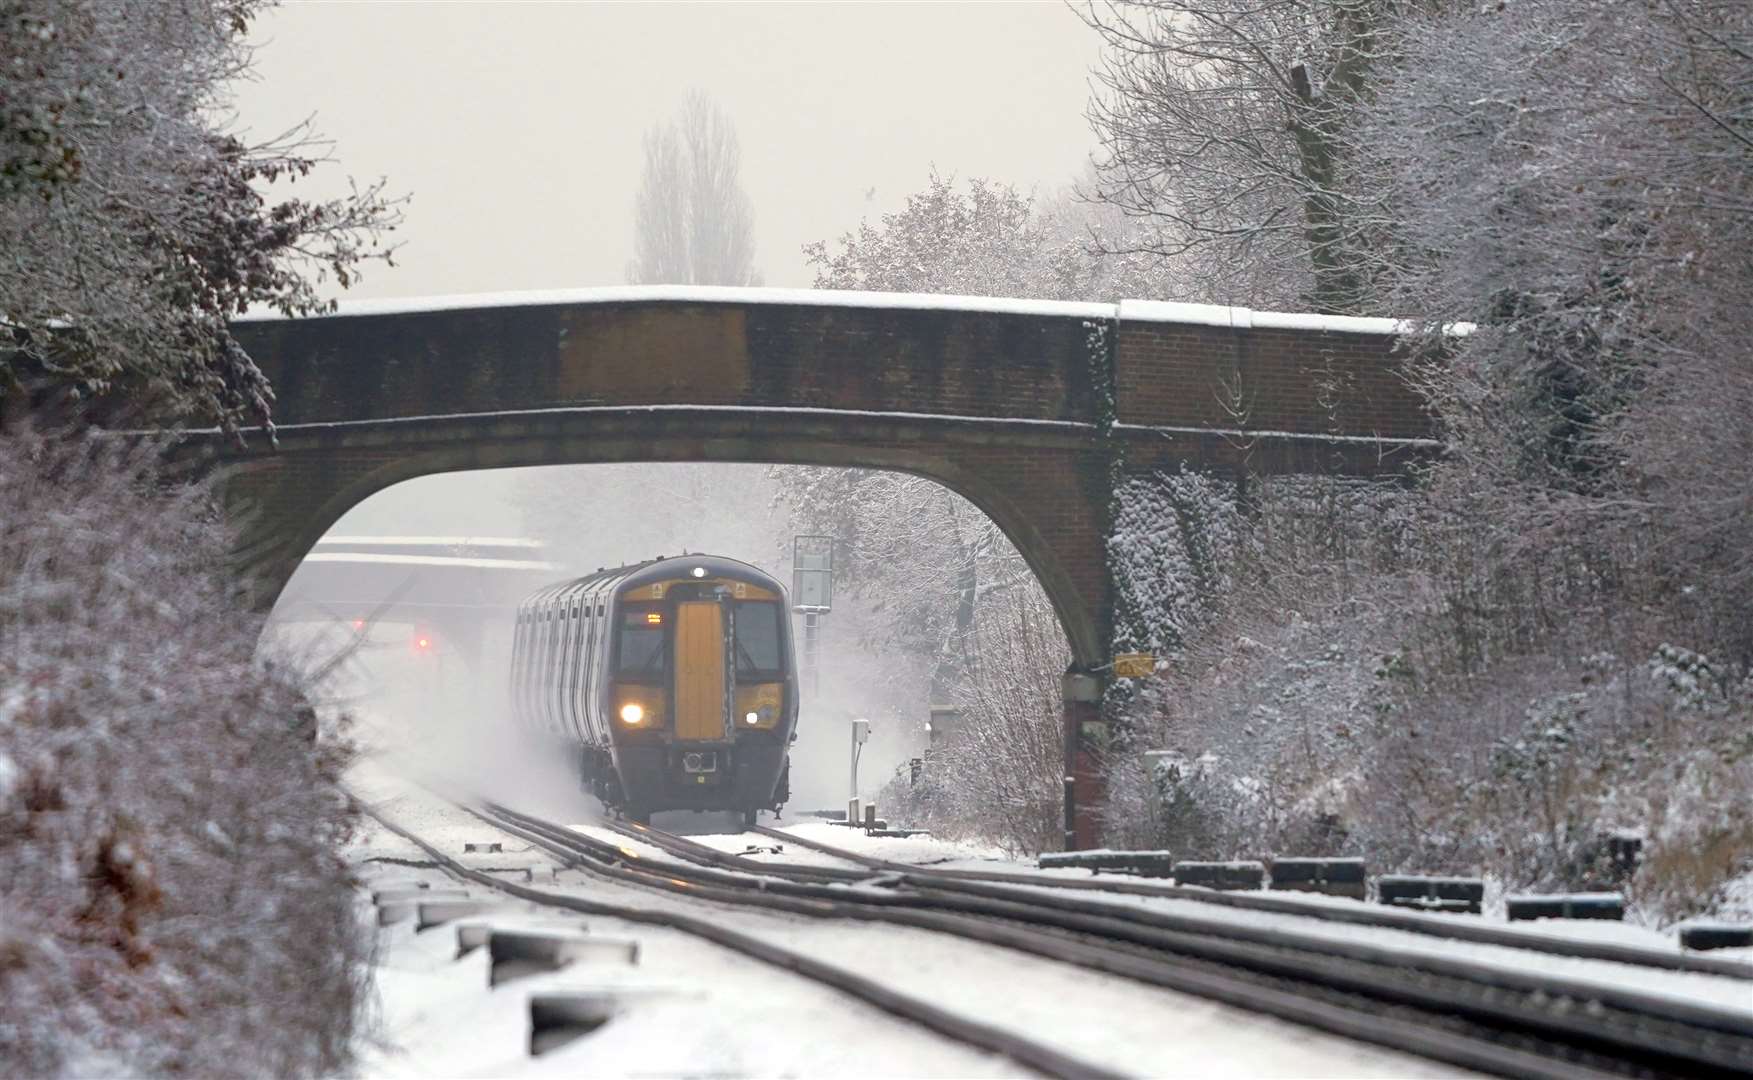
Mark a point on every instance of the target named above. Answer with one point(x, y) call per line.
point(1221, 875)
point(1422, 892)
point(1570, 906)
point(1716, 936)
point(1332, 877)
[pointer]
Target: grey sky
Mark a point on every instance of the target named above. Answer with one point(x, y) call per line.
point(517, 126)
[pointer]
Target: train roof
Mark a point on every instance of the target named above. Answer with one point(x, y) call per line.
point(661, 568)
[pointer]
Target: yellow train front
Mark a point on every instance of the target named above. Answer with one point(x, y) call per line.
point(673, 681)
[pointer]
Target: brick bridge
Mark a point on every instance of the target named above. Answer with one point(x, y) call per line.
point(1024, 408)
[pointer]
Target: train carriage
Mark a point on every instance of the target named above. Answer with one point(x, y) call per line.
point(673, 682)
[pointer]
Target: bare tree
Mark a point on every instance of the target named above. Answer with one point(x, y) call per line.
point(1221, 125)
point(693, 222)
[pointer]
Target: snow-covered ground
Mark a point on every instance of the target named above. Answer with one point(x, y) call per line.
point(1713, 990)
point(692, 1008)
point(927, 851)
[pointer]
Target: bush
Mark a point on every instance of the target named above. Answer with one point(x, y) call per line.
point(1385, 680)
point(998, 777)
point(173, 901)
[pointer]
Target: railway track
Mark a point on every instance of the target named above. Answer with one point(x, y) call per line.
point(1454, 1011)
point(1032, 1054)
point(1359, 915)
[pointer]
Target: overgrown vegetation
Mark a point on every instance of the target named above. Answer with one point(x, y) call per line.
point(996, 776)
point(1543, 643)
point(174, 901)
point(1379, 682)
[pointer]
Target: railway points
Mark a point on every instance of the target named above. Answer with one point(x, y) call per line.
point(1340, 912)
point(1119, 1025)
point(1463, 1014)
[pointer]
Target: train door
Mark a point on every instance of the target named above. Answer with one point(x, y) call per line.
point(699, 669)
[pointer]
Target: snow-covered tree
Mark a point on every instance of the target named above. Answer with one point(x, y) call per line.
point(1577, 180)
point(922, 557)
point(1222, 128)
point(986, 240)
point(134, 223)
point(997, 777)
point(945, 586)
point(693, 223)
point(1481, 672)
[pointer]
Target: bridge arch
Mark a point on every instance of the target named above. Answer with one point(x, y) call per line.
point(1027, 409)
point(1077, 617)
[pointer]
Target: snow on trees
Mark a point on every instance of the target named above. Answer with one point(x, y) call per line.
point(693, 223)
point(1486, 670)
point(947, 588)
point(168, 828)
point(989, 240)
point(167, 824)
point(1577, 180)
point(1222, 128)
point(985, 242)
point(134, 224)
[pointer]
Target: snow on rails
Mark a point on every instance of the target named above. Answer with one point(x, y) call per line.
point(1283, 959)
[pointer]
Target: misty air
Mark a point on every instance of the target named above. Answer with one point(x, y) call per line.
point(1108, 538)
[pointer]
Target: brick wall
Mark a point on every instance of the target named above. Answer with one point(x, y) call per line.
point(1310, 381)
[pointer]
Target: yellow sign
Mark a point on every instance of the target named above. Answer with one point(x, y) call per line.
point(1134, 665)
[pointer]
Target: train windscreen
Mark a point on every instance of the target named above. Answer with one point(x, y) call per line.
point(757, 641)
point(640, 650)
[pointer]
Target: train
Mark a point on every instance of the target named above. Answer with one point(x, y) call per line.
point(671, 684)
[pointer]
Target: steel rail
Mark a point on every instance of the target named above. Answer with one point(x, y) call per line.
point(1633, 1002)
point(1360, 915)
point(1646, 1025)
point(1278, 983)
point(1027, 1052)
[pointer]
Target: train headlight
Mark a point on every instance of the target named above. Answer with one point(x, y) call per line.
point(751, 718)
point(699, 571)
point(632, 712)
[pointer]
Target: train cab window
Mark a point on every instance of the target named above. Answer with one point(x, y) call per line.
point(757, 641)
point(640, 643)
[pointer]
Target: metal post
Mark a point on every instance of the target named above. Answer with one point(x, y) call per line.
point(1069, 840)
point(810, 630)
point(860, 733)
point(812, 593)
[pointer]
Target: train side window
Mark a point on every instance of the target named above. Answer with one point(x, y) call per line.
point(550, 668)
point(590, 669)
point(758, 655)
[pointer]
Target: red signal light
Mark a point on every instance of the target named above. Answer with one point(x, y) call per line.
point(358, 624)
point(422, 643)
